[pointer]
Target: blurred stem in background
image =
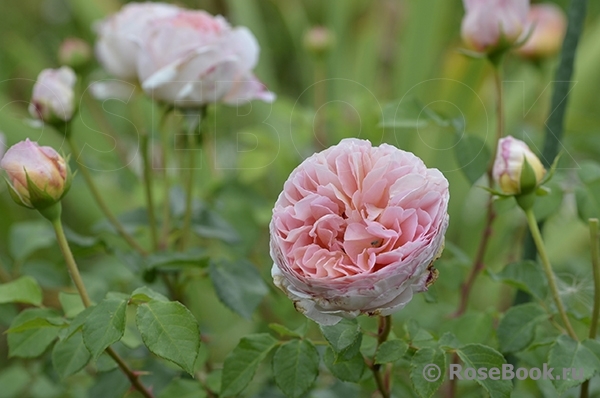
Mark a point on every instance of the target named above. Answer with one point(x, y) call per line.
point(148, 188)
point(478, 261)
point(320, 135)
point(100, 202)
point(166, 210)
point(593, 224)
point(194, 123)
point(85, 298)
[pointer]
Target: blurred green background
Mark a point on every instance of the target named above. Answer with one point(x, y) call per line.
point(387, 54)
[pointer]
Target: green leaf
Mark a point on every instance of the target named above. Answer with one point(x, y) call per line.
point(295, 367)
point(472, 156)
point(38, 323)
point(587, 195)
point(345, 338)
point(390, 351)
point(27, 237)
point(568, 353)
point(524, 275)
point(144, 294)
point(517, 328)
point(547, 205)
point(170, 331)
point(104, 325)
point(427, 370)
point(23, 290)
point(70, 355)
point(283, 331)
point(409, 113)
point(449, 341)
point(474, 327)
point(173, 261)
point(350, 370)
point(240, 365)
point(15, 381)
point(182, 388)
point(31, 342)
point(239, 285)
point(71, 304)
point(480, 356)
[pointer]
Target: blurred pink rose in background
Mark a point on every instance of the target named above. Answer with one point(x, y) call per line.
point(356, 230)
point(53, 98)
point(44, 167)
point(490, 25)
point(549, 25)
point(183, 57)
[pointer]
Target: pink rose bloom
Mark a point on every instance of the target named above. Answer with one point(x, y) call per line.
point(489, 25)
point(44, 167)
point(119, 36)
point(192, 58)
point(549, 25)
point(508, 165)
point(53, 98)
point(356, 230)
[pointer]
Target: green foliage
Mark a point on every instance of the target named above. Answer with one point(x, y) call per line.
point(427, 371)
point(22, 290)
point(472, 156)
point(478, 356)
point(241, 364)
point(345, 338)
point(70, 355)
point(295, 366)
point(351, 369)
point(568, 353)
point(525, 275)
point(238, 285)
point(517, 327)
point(390, 351)
point(170, 331)
point(104, 325)
point(32, 342)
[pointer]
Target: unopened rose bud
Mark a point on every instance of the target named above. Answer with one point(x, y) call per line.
point(490, 26)
point(548, 25)
point(319, 40)
point(38, 176)
point(53, 99)
point(74, 52)
point(510, 167)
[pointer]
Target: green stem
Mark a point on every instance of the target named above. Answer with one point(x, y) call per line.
point(385, 326)
point(596, 270)
point(70, 261)
point(100, 202)
point(148, 190)
point(539, 243)
point(189, 183)
point(85, 298)
point(166, 211)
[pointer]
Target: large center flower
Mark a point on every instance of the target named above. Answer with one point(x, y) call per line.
point(356, 226)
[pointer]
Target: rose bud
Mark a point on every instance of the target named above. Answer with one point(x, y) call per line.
point(38, 176)
point(192, 58)
point(319, 40)
point(53, 99)
point(74, 52)
point(512, 158)
point(119, 36)
point(548, 25)
point(493, 25)
point(356, 231)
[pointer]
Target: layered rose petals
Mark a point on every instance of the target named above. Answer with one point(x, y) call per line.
point(356, 229)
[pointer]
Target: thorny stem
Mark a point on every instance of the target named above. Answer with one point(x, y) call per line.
point(539, 243)
point(382, 381)
point(101, 204)
point(85, 298)
point(478, 262)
